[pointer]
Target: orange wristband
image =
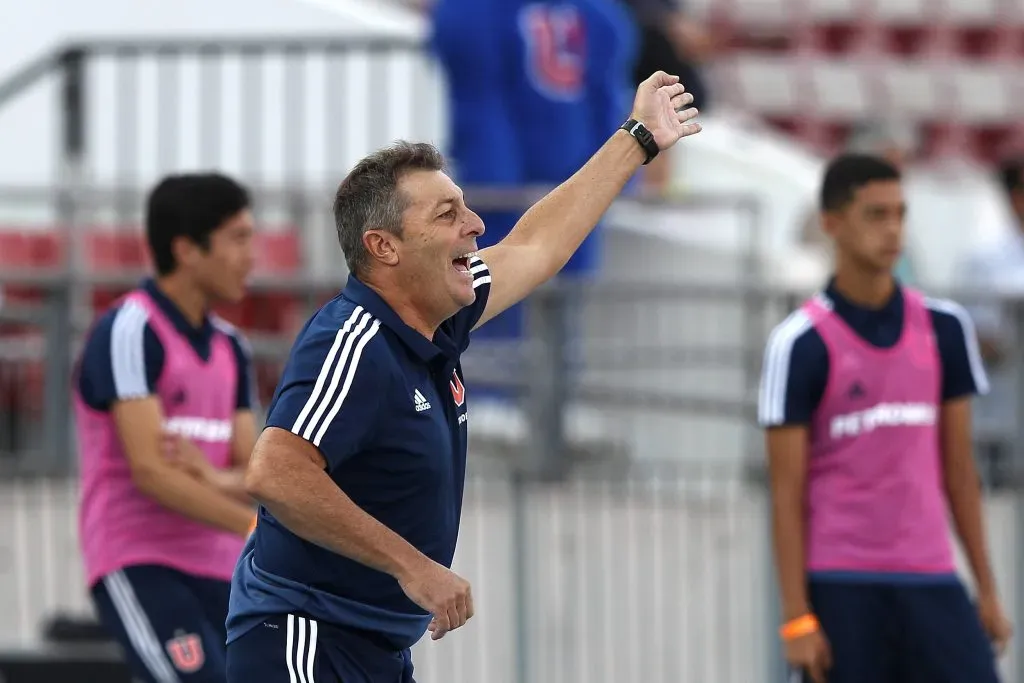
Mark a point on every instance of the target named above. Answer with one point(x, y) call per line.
point(799, 627)
point(252, 526)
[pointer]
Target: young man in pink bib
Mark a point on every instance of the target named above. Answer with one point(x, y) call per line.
point(866, 398)
point(165, 427)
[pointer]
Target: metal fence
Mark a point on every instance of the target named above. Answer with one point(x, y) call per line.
point(647, 559)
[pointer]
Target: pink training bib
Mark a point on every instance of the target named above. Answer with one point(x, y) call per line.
point(875, 495)
point(118, 525)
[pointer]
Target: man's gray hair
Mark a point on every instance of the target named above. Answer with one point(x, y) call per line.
point(368, 197)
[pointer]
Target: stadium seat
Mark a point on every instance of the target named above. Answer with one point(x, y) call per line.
point(813, 67)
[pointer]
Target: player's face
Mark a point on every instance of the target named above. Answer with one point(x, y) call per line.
point(438, 231)
point(869, 230)
point(223, 270)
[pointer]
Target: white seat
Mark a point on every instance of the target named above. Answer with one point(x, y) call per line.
point(840, 89)
point(981, 92)
point(911, 90)
point(973, 12)
point(766, 85)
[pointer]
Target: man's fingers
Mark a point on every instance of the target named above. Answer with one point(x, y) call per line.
point(687, 129)
point(659, 79)
point(169, 443)
point(465, 610)
point(681, 100)
point(674, 90)
point(435, 629)
point(687, 115)
point(444, 624)
point(454, 618)
point(469, 605)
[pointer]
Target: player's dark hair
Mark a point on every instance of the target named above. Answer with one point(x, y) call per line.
point(848, 173)
point(190, 205)
point(368, 197)
point(1011, 174)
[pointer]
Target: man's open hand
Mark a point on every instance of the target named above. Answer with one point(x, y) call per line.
point(661, 105)
point(443, 593)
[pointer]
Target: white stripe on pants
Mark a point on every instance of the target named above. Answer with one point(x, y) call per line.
point(138, 627)
point(300, 649)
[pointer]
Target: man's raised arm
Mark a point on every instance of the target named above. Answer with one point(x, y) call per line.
point(547, 235)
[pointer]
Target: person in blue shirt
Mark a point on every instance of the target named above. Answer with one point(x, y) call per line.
point(808, 368)
point(164, 415)
point(534, 87)
point(360, 471)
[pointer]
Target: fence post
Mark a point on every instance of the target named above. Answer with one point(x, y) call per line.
point(546, 395)
point(1018, 499)
point(66, 295)
point(521, 576)
point(58, 441)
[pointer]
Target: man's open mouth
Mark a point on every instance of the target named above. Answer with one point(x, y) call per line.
point(462, 263)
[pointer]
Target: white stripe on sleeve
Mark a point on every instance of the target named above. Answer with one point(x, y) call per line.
point(127, 351)
point(970, 339)
point(350, 374)
point(778, 357)
point(341, 367)
point(481, 273)
point(325, 371)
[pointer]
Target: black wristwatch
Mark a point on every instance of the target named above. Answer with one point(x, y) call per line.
point(643, 136)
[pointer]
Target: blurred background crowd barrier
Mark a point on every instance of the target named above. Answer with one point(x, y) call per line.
point(615, 525)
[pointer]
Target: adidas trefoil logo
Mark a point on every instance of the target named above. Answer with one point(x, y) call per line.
point(420, 401)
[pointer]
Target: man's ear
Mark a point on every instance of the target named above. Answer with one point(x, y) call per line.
point(184, 250)
point(381, 247)
point(829, 222)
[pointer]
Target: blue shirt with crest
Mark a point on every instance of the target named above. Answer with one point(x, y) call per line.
point(387, 409)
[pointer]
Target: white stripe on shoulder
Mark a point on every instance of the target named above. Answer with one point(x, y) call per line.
point(127, 350)
point(325, 371)
point(778, 355)
point(974, 360)
point(224, 327)
point(230, 330)
point(481, 274)
point(824, 301)
point(340, 367)
point(350, 373)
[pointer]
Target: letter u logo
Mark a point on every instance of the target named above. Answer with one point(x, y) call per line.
point(186, 653)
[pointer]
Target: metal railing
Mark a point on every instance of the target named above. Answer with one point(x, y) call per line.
point(646, 557)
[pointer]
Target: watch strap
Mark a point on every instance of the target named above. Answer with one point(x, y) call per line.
point(643, 136)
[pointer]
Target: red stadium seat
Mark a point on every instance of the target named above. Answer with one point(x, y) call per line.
point(817, 66)
point(278, 252)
